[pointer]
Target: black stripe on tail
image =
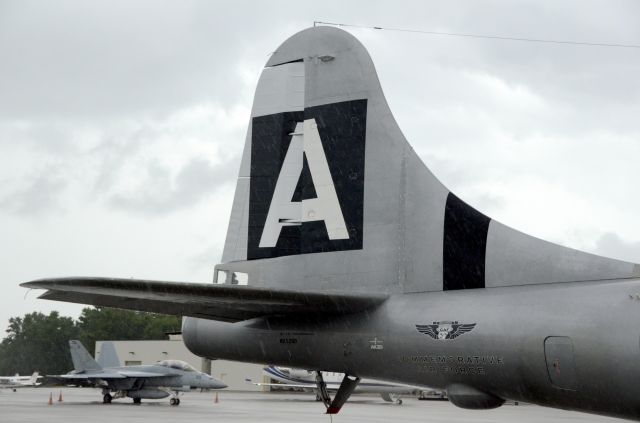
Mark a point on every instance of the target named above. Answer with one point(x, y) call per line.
point(465, 245)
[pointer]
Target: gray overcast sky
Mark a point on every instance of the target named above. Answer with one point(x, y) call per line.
point(122, 123)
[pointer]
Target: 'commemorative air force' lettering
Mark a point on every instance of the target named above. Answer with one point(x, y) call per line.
point(307, 181)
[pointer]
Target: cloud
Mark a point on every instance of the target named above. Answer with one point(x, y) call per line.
point(207, 258)
point(161, 193)
point(611, 245)
point(149, 165)
point(41, 196)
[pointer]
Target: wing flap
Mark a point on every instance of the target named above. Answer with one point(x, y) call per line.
point(216, 302)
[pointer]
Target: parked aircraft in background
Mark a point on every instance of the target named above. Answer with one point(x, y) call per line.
point(155, 381)
point(17, 381)
point(306, 379)
point(358, 260)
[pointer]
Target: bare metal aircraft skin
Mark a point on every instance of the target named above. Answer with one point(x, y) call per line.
point(356, 259)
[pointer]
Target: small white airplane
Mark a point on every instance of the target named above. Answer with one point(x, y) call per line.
point(306, 379)
point(17, 381)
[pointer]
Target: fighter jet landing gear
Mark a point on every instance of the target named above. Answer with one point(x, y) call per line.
point(137, 400)
point(389, 397)
point(106, 399)
point(174, 399)
point(344, 392)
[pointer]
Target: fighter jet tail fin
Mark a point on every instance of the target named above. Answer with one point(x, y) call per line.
point(82, 360)
point(108, 356)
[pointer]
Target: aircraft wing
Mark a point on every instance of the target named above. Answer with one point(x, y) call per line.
point(284, 385)
point(217, 302)
point(362, 388)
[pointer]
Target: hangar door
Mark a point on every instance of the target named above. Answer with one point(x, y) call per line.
point(558, 351)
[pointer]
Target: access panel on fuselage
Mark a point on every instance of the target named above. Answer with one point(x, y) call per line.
point(561, 366)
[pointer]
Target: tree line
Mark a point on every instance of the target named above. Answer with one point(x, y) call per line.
point(40, 342)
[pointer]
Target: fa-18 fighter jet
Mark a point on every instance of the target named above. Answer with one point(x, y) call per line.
point(345, 240)
point(155, 381)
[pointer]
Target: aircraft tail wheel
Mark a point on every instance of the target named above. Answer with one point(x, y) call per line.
point(174, 401)
point(399, 402)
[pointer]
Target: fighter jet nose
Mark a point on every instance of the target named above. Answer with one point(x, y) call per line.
point(217, 384)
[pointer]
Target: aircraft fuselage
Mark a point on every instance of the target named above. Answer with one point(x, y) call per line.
point(572, 346)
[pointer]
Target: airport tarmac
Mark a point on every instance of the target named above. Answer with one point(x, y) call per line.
point(85, 404)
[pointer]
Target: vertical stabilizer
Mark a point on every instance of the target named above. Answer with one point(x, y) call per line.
point(82, 360)
point(331, 196)
point(33, 380)
point(108, 356)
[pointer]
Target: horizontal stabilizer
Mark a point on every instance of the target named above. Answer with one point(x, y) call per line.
point(119, 374)
point(216, 302)
point(87, 376)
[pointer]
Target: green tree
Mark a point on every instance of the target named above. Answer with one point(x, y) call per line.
point(96, 324)
point(37, 342)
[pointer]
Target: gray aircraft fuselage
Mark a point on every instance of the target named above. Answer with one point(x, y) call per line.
point(503, 354)
point(178, 380)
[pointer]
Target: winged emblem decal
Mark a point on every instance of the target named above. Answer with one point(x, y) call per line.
point(445, 329)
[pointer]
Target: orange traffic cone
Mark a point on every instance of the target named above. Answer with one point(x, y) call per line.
point(60, 397)
point(215, 401)
point(50, 398)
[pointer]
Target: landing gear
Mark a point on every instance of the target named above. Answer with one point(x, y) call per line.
point(137, 400)
point(106, 399)
point(322, 394)
point(174, 398)
point(344, 392)
point(389, 397)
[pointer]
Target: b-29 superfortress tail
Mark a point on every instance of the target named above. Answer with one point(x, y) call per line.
point(344, 253)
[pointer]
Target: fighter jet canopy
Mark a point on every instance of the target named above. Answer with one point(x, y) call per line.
point(177, 364)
